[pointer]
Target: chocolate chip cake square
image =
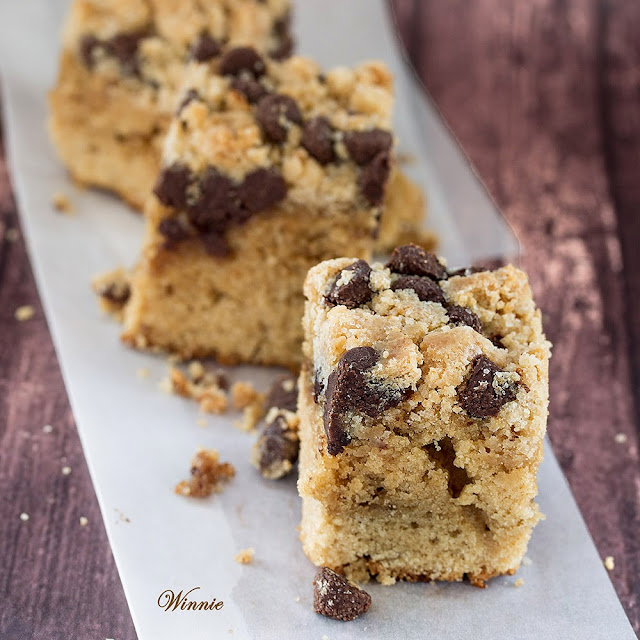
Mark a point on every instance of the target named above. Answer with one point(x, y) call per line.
point(121, 73)
point(422, 409)
point(120, 82)
point(268, 168)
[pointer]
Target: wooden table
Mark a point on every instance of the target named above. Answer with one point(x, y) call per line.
point(545, 98)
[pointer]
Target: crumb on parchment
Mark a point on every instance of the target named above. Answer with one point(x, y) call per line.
point(62, 203)
point(245, 556)
point(208, 475)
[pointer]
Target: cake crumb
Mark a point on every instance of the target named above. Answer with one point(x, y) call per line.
point(83, 521)
point(252, 415)
point(245, 556)
point(62, 203)
point(12, 235)
point(201, 422)
point(609, 563)
point(113, 291)
point(66, 471)
point(519, 582)
point(47, 428)
point(526, 561)
point(243, 394)
point(24, 517)
point(207, 475)
point(25, 312)
point(205, 387)
point(621, 438)
point(143, 373)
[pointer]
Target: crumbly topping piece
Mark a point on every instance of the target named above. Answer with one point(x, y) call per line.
point(113, 289)
point(208, 388)
point(245, 556)
point(208, 475)
point(336, 597)
point(275, 452)
point(244, 394)
point(487, 390)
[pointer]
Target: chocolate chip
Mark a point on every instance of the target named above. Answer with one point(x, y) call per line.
point(88, 44)
point(217, 206)
point(336, 597)
point(465, 271)
point(413, 260)
point(373, 179)
point(124, 47)
point(276, 450)
point(204, 48)
point(317, 139)
point(275, 112)
point(355, 291)
point(242, 59)
point(479, 397)
point(426, 289)
point(171, 185)
point(286, 43)
point(189, 97)
point(261, 189)
point(462, 316)
point(251, 89)
point(173, 231)
point(350, 388)
point(364, 146)
point(215, 244)
point(283, 394)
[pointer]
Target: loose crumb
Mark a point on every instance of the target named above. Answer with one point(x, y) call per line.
point(207, 475)
point(252, 415)
point(113, 290)
point(62, 203)
point(621, 438)
point(519, 582)
point(66, 471)
point(609, 563)
point(526, 561)
point(243, 394)
point(201, 422)
point(206, 387)
point(12, 235)
point(47, 428)
point(245, 556)
point(24, 517)
point(23, 313)
point(83, 521)
point(143, 373)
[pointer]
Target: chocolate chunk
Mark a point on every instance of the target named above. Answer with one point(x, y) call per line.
point(336, 597)
point(218, 206)
point(173, 231)
point(461, 316)
point(204, 48)
point(261, 189)
point(240, 59)
point(426, 289)
point(251, 89)
point(189, 97)
point(364, 146)
point(87, 47)
point(317, 139)
point(171, 185)
point(286, 43)
point(465, 271)
point(373, 179)
point(274, 114)
point(215, 244)
point(479, 397)
point(356, 290)
point(283, 394)
point(350, 388)
point(410, 259)
point(277, 448)
point(124, 47)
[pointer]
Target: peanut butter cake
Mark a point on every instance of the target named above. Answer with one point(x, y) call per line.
point(120, 81)
point(121, 72)
point(422, 407)
point(268, 168)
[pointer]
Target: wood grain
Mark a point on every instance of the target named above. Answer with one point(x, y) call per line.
point(543, 95)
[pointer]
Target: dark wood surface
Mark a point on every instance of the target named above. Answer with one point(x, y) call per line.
point(545, 98)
